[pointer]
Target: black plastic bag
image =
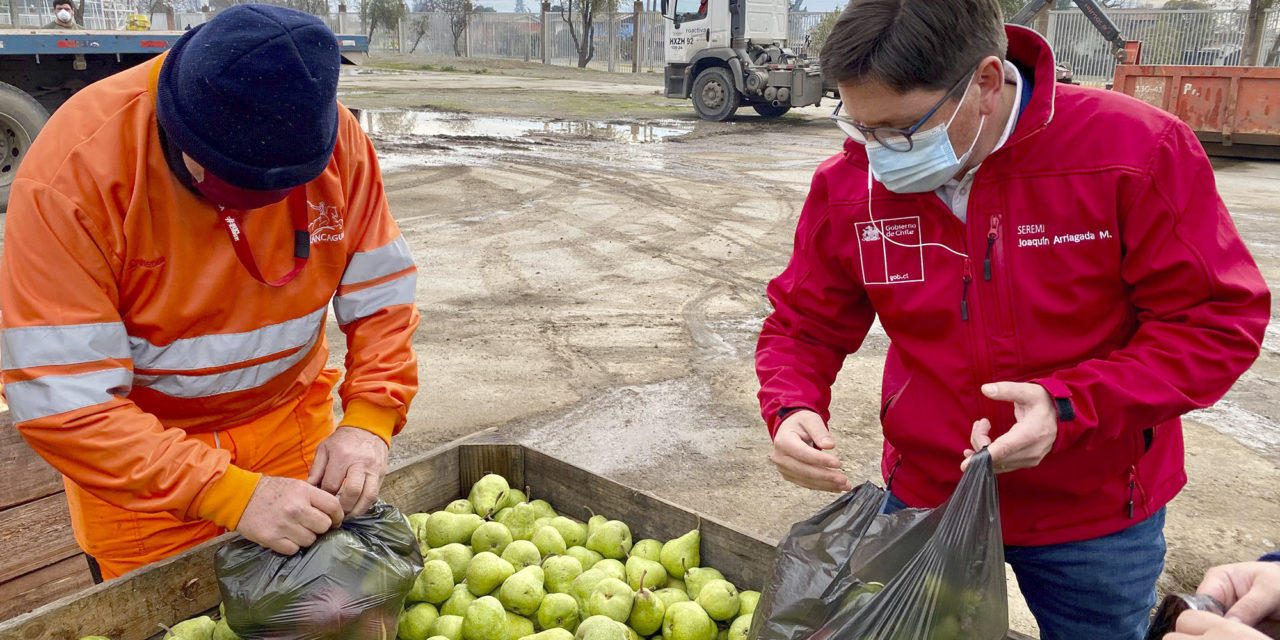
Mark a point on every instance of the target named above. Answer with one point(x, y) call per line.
point(850, 573)
point(349, 585)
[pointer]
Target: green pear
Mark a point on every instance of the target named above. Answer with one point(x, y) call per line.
point(720, 600)
point(520, 520)
point(543, 508)
point(222, 613)
point(574, 533)
point(200, 628)
point(448, 626)
point(521, 554)
point(515, 497)
point(593, 523)
point(418, 524)
point(434, 583)
point(221, 631)
point(541, 522)
point(681, 554)
point(748, 600)
point(723, 634)
point(549, 541)
point(558, 610)
point(416, 621)
point(741, 625)
point(601, 628)
point(492, 537)
point(670, 596)
point(486, 620)
point(489, 494)
point(523, 591)
point(552, 633)
point(632, 635)
point(696, 577)
point(501, 515)
point(611, 597)
point(646, 613)
point(458, 601)
point(687, 621)
point(461, 505)
point(649, 549)
point(487, 572)
point(443, 528)
point(675, 583)
point(518, 626)
point(614, 568)
point(439, 638)
point(585, 584)
point(587, 557)
point(611, 540)
point(645, 573)
point(561, 572)
point(457, 555)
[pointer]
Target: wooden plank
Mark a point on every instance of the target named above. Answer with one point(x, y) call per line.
point(26, 475)
point(26, 592)
point(425, 483)
point(477, 460)
point(747, 560)
point(131, 607)
point(34, 535)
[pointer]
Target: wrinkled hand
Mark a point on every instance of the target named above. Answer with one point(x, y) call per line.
point(351, 463)
point(799, 461)
point(1029, 440)
point(285, 515)
point(1203, 624)
point(1251, 591)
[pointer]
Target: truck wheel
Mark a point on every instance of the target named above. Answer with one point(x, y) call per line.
point(770, 111)
point(21, 118)
point(714, 97)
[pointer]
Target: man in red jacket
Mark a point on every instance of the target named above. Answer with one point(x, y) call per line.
point(1059, 281)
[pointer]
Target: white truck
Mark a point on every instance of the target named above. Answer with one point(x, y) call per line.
point(729, 53)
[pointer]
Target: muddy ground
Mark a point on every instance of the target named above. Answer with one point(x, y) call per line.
point(593, 268)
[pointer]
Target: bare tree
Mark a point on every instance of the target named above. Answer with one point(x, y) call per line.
point(580, 16)
point(418, 27)
point(458, 11)
point(1253, 31)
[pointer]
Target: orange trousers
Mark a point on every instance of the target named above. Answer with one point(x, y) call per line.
point(280, 443)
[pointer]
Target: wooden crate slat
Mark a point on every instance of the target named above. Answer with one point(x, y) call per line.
point(34, 535)
point(26, 475)
point(424, 483)
point(746, 559)
point(477, 460)
point(26, 592)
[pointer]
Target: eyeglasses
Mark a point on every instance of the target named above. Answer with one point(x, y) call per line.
point(892, 138)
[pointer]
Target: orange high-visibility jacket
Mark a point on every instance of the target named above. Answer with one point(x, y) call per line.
point(129, 321)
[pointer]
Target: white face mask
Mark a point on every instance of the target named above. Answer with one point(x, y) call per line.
point(64, 15)
point(929, 164)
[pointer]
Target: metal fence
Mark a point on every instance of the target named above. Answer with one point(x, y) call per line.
point(37, 13)
point(1168, 37)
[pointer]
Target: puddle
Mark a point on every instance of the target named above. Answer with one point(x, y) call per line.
point(399, 123)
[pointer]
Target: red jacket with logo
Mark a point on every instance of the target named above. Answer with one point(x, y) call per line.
point(1102, 264)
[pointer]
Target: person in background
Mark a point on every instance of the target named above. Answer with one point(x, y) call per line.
point(64, 16)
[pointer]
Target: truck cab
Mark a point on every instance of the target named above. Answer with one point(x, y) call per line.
point(724, 54)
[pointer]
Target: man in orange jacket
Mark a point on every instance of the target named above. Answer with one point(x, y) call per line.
point(174, 239)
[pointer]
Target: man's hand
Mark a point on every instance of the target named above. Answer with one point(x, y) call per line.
point(797, 452)
point(351, 464)
point(285, 515)
point(1029, 440)
point(1202, 624)
point(1251, 591)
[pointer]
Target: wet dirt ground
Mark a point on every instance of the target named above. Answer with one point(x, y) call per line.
point(592, 285)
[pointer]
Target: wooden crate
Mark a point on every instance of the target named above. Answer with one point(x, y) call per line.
point(41, 561)
point(131, 608)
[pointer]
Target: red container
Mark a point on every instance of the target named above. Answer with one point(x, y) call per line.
point(1235, 111)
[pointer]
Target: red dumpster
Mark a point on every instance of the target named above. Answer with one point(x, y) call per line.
point(1235, 111)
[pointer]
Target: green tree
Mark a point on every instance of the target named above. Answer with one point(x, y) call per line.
point(580, 16)
point(818, 33)
point(382, 13)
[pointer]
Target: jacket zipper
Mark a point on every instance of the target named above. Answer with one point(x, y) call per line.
point(964, 296)
point(992, 234)
point(1133, 484)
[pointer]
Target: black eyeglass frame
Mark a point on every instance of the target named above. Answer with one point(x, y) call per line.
point(865, 133)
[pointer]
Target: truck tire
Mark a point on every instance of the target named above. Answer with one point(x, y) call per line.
point(21, 118)
point(770, 111)
point(714, 96)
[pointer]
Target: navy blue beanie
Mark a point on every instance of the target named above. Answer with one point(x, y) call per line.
point(251, 95)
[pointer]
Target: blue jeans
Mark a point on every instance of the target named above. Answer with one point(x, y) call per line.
point(1099, 589)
